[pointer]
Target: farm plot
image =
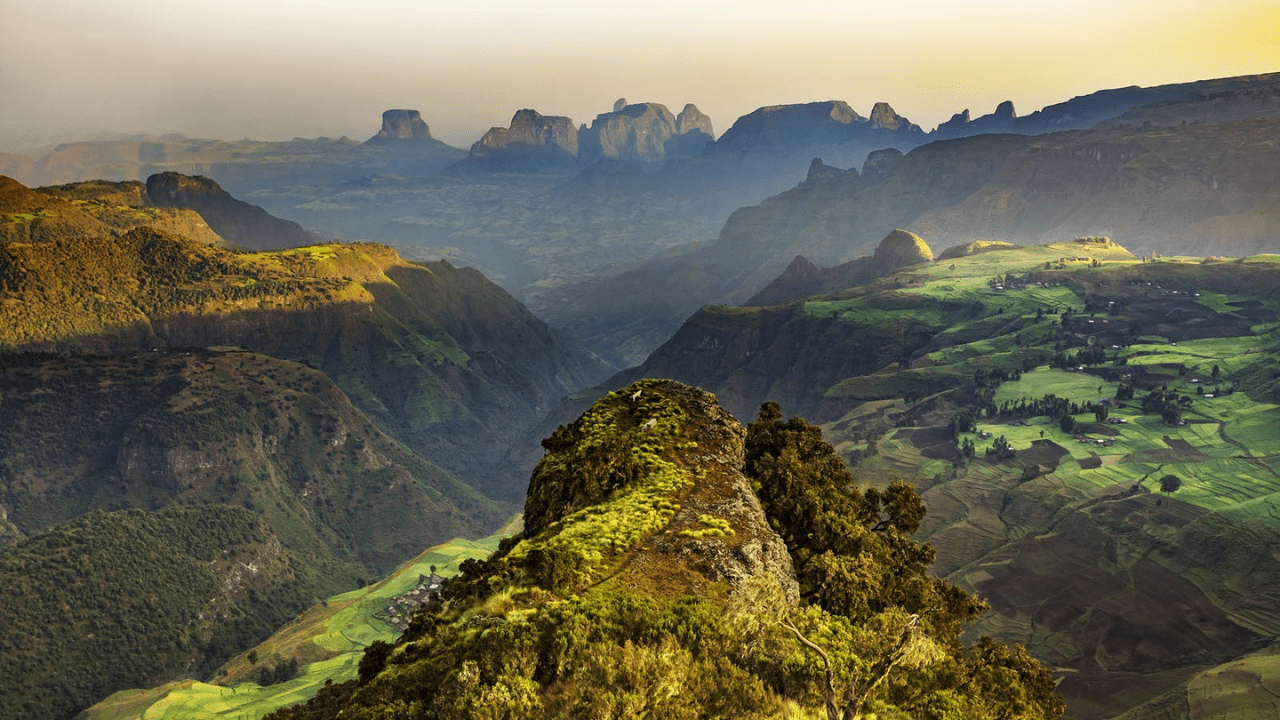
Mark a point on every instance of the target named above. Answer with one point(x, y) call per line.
point(1074, 386)
point(327, 640)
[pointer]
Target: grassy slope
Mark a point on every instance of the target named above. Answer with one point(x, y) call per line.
point(447, 361)
point(1162, 559)
point(327, 640)
point(1128, 591)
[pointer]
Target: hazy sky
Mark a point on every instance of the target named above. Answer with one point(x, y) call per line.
point(275, 69)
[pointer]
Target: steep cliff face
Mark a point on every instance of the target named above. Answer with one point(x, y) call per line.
point(245, 225)
point(781, 128)
point(691, 119)
point(532, 142)
point(637, 132)
point(399, 125)
point(645, 132)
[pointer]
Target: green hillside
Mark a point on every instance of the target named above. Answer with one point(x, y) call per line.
point(676, 564)
point(142, 367)
point(438, 355)
point(181, 588)
point(326, 641)
point(1094, 436)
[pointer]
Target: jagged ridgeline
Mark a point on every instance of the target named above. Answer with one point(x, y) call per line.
point(674, 564)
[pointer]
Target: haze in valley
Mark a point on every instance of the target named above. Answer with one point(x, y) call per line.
point(70, 69)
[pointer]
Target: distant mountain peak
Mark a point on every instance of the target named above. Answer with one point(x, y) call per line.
point(647, 132)
point(691, 119)
point(883, 117)
point(402, 125)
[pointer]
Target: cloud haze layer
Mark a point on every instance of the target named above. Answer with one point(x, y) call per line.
point(285, 68)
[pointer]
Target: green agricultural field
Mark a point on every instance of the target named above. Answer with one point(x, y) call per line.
point(860, 312)
point(328, 641)
point(1199, 356)
point(1074, 386)
point(1270, 258)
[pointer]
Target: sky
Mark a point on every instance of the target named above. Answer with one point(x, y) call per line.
point(278, 69)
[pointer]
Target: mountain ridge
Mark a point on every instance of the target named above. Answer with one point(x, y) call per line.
point(372, 321)
point(655, 575)
point(1020, 392)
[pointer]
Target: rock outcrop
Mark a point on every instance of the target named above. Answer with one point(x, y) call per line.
point(677, 448)
point(803, 279)
point(533, 141)
point(645, 132)
point(883, 117)
point(899, 249)
point(1003, 120)
point(637, 132)
point(782, 127)
point(691, 119)
point(402, 125)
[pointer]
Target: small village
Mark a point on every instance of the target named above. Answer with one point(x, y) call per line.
point(401, 609)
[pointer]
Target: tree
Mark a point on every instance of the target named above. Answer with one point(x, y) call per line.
point(1170, 483)
point(852, 549)
point(869, 606)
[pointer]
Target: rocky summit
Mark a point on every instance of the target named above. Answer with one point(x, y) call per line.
point(402, 125)
point(533, 139)
point(645, 132)
point(785, 127)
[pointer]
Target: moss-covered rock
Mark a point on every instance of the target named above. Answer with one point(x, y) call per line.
point(646, 479)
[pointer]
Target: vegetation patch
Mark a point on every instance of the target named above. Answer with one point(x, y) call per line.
point(712, 527)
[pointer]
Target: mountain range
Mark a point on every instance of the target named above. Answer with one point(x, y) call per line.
point(145, 369)
point(553, 219)
point(1204, 189)
point(1057, 410)
point(1128, 583)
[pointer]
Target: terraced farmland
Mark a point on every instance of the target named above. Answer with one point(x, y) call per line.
point(327, 641)
point(1132, 550)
